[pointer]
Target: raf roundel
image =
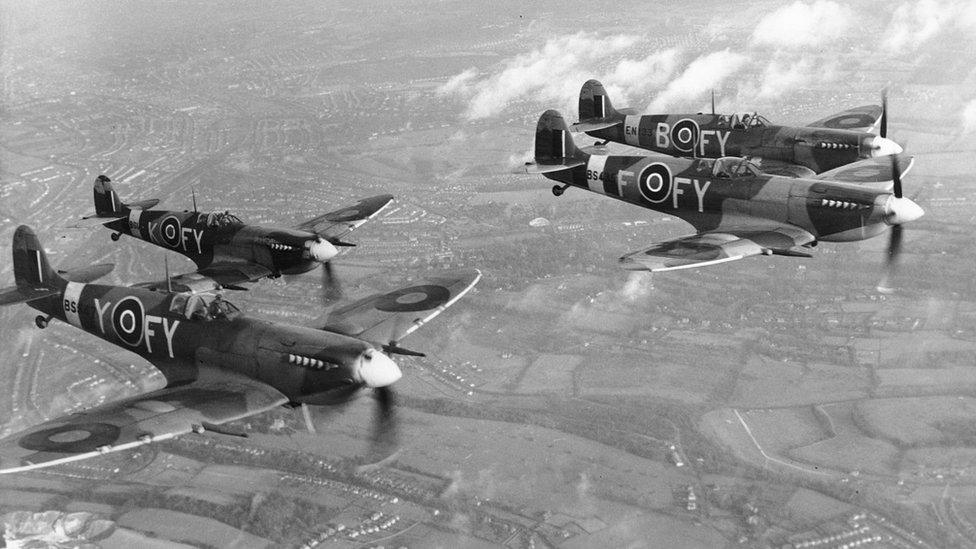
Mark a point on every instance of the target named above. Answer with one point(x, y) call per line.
point(847, 121)
point(127, 320)
point(654, 183)
point(170, 231)
point(684, 134)
point(71, 439)
point(413, 299)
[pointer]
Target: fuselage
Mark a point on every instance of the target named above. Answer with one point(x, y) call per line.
point(181, 332)
point(717, 135)
point(711, 194)
point(219, 237)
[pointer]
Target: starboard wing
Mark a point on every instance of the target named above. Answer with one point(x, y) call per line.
point(334, 225)
point(872, 172)
point(710, 248)
point(388, 318)
point(863, 118)
point(216, 397)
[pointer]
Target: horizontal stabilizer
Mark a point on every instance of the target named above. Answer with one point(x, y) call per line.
point(535, 167)
point(142, 204)
point(594, 125)
point(14, 295)
point(629, 111)
point(86, 274)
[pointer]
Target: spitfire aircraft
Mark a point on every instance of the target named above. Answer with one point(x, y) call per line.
point(737, 210)
point(225, 249)
point(219, 364)
point(820, 146)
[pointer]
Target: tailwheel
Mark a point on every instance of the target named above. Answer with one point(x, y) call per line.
point(42, 321)
point(115, 237)
point(558, 190)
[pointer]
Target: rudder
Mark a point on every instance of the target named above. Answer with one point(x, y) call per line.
point(31, 268)
point(107, 203)
point(594, 103)
point(553, 142)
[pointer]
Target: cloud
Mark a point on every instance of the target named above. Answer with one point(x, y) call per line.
point(553, 74)
point(969, 117)
point(914, 23)
point(800, 24)
point(702, 74)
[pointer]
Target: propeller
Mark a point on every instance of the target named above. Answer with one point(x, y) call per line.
point(900, 210)
point(331, 288)
point(883, 131)
point(385, 435)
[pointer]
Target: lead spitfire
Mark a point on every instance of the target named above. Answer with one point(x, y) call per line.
point(737, 210)
point(220, 364)
point(820, 146)
point(225, 249)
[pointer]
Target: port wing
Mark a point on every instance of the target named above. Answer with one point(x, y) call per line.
point(216, 397)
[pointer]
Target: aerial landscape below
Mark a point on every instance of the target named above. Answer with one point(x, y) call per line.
point(565, 401)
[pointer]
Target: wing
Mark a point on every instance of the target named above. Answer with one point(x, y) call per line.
point(388, 318)
point(872, 172)
point(709, 248)
point(216, 397)
point(335, 225)
point(231, 274)
point(863, 118)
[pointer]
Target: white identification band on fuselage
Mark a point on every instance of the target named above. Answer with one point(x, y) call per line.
point(594, 173)
point(632, 129)
point(72, 293)
point(134, 216)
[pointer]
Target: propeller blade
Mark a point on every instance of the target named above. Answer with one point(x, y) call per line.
point(331, 289)
point(891, 259)
point(896, 175)
point(884, 114)
point(385, 433)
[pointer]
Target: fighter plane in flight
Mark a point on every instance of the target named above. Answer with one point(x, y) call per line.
point(737, 210)
point(820, 146)
point(220, 365)
point(224, 248)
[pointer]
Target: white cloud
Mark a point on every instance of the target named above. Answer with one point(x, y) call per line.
point(969, 117)
point(914, 23)
point(702, 75)
point(545, 74)
point(553, 74)
point(800, 24)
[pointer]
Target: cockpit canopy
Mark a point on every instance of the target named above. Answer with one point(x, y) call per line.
point(203, 306)
point(217, 220)
point(727, 167)
point(747, 120)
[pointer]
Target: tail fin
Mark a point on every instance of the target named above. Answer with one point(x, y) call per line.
point(594, 103)
point(31, 268)
point(553, 142)
point(554, 147)
point(107, 203)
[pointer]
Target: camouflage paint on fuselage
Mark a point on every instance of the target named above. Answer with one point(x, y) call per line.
point(715, 136)
point(219, 237)
point(179, 332)
point(690, 190)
